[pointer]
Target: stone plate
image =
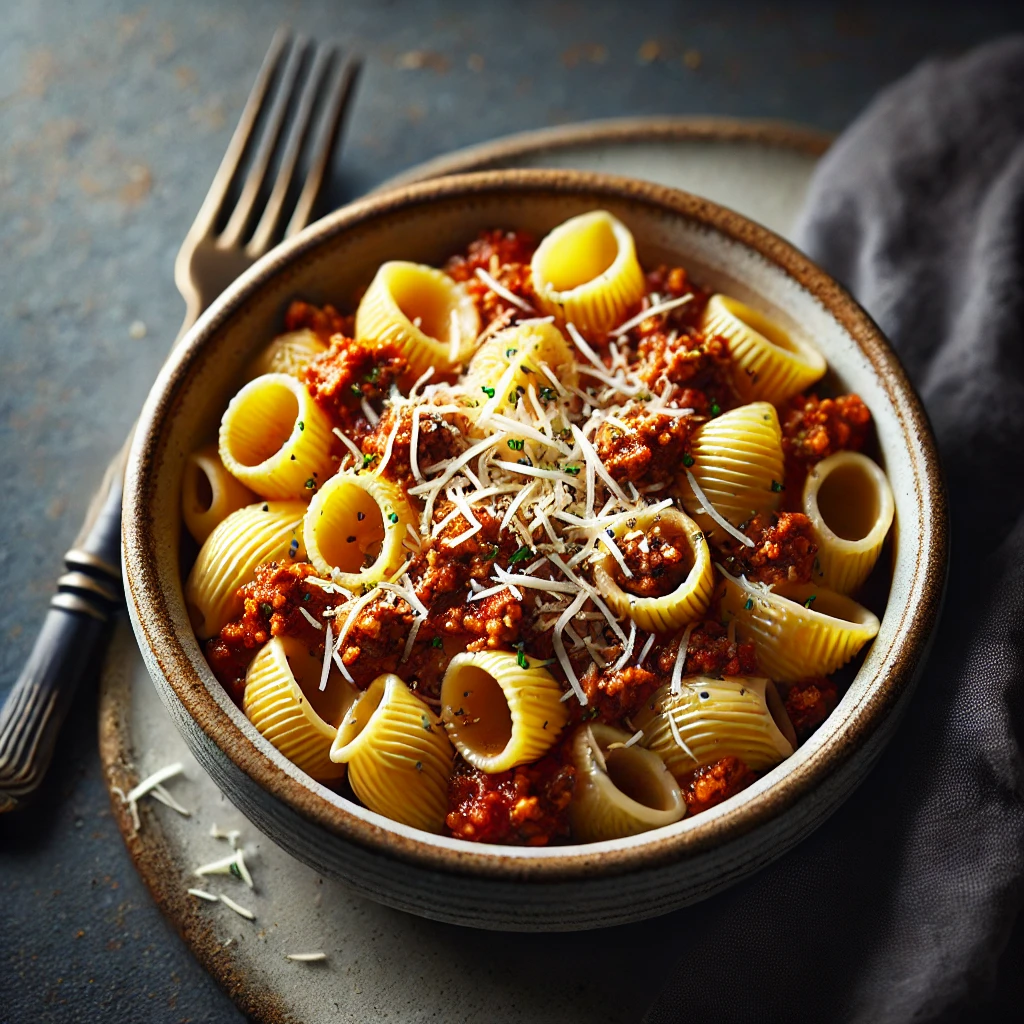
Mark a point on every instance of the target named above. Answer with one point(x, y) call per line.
point(381, 963)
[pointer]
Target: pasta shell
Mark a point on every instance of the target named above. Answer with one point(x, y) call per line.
point(283, 700)
point(688, 602)
point(619, 791)
point(209, 493)
point(276, 439)
point(427, 315)
point(355, 527)
point(738, 465)
point(771, 364)
point(850, 505)
point(499, 714)
point(288, 353)
point(714, 718)
point(509, 362)
point(798, 630)
point(586, 272)
point(399, 758)
point(271, 531)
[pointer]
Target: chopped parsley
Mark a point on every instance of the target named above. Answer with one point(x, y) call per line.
point(749, 604)
point(687, 460)
point(489, 392)
point(301, 425)
point(523, 553)
point(715, 408)
point(521, 660)
point(810, 600)
point(777, 487)
point(437, 642)
point(393, 517)
point(515, 444)
point(573, 470)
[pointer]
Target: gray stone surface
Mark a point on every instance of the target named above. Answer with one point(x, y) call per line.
point(113, 118)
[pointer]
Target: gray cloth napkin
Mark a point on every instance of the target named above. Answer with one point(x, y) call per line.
point(900, 907)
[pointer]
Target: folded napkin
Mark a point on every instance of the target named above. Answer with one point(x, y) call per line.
point(901, 905)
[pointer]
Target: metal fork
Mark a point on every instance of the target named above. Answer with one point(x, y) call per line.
point(302, 90)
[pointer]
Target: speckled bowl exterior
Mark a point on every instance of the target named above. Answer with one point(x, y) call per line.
point(569, 887)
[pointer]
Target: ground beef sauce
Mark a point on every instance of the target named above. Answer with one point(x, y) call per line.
point(646, 448)
point(783, 550)
point(528, 806)
point(271, 601)
point(505, 257)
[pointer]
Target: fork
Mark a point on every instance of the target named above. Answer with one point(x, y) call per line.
point(302, 89)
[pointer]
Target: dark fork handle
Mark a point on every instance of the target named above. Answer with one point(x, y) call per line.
point(73, 630)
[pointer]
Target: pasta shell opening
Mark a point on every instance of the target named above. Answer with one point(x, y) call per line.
point(632, 774)
point(264, 420)
point(306, 666)
point(497, 712)
point(849, 502)
point(770, 362)
point(349, 530)
point(275, 439)
point(584, 248)
point(355, 527)
point(585, 271)
point(430, 317)
point(209, 493)
point(678, 583)
point(484, 704)
point(620, 790)
point(850, 505)
point(352, 729)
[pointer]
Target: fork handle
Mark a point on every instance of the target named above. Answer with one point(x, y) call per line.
point(72, 634)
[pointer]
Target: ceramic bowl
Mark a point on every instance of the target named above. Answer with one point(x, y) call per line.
point(567, 887)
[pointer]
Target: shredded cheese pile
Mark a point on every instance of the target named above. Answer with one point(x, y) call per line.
point(530, 460)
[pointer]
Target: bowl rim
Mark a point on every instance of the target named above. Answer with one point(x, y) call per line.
point(146, 587)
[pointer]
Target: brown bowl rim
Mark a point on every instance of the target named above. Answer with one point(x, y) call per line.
point(148, 592)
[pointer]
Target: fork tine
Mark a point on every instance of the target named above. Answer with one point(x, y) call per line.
point(214, 201)
point(232, 234)
point(331, 122)
point(267, 226)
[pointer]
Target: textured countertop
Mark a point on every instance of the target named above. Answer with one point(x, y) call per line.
point(113, 119)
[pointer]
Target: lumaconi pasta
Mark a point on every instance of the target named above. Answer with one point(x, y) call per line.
point(799, 630)
point(355, 528)
point(514, 360)
point(264, 532)
point(563, 548)
point(500, 711)
point(620, 790)
point(288, 353)
point(422, 311)
point(709, 719)
point(850, 505)
point(276, 439)
point(209, 493)
point(684, 603)
point(586, 272)
point(398, 756)
point(737, 465)
point(284, 701)
point(771, 363)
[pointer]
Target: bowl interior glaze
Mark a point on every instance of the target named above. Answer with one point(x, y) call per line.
point(331, 262)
